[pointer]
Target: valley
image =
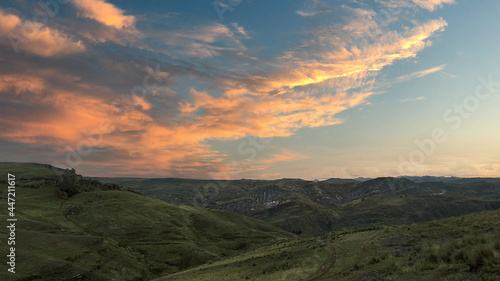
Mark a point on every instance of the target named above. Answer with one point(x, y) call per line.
point(76, 228)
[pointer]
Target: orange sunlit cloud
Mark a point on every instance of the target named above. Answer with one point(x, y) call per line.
point(104, 13)
point(305, 86)
point(420, 74)
point(35, 38)
point(299, 70)
point(284, 156)
point(431, 5)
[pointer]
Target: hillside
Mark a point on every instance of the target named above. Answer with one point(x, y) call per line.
point(316, 208)
point(461, 248)
point(71, 228)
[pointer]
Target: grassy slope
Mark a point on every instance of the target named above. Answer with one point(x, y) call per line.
point(462, 248)
point(289, 260)
point(404, 208)
point(117, 234)
point(302, 216)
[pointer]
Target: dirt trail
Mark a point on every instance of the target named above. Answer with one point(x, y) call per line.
point(362, 252)
point(325, 267)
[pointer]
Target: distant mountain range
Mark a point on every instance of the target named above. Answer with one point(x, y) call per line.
point(431, 179)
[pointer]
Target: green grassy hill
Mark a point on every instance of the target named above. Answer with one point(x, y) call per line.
point(461, 248)
point(315, 208)
point(71, 228)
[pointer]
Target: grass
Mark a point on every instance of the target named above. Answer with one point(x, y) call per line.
point(114, 234)
point(461, 248)
point(290, 260)
point(117, 234)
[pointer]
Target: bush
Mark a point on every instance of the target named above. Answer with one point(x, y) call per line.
point(481, 256)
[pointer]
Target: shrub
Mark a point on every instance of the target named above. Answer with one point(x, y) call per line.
point(481, 256)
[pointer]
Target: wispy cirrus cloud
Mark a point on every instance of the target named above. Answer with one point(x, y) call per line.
point(420, 74)
point(413, 100)
point(314, 7)
point(307, 13)
point(432, 5)
point(240, 29)
point(205, 41)
point(333, 52)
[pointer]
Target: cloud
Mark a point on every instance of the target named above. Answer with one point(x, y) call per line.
point(284, 156)
point(335, 52)
point(240, 30)
point(311, 84)
point(104, 13)
point(9, 22)
point(35, 38)
point(204, 41)
point(307, 14)
point(165, 131)
point(232, 117)
point(45, 112)
point(450, 75)
point(20, 84)
point(413, 100)
point(431, 5)
point(139, 101)
point(269, 175)
point(106, 23)
point(420, 74)
point(314, 8)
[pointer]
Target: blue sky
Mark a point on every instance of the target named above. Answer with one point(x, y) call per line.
point(264, 89)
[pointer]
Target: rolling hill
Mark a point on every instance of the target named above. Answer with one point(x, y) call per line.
point(461, 248)
point(315, 208)
point(71, 228)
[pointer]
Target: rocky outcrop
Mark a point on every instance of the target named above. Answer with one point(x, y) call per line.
point(70, 183)
point(262, 199)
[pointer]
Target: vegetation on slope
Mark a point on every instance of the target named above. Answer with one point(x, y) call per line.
point(72, 228)
point(98, 232)
point(315, 208)
point(462, 248)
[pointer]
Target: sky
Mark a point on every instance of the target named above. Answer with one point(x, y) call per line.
point(232, 89)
